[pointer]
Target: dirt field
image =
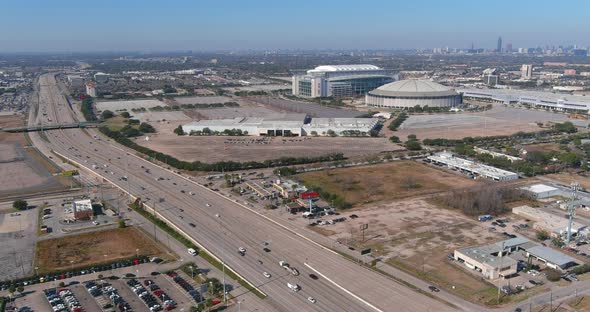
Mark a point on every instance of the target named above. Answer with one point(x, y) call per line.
point(500, 120)
point(217, 148)
point(91, 248)
point(385, 182)
point(22, 168)
point(543, 147)
point(416, 237)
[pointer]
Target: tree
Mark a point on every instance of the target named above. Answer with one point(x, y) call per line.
point(125, 115)
point(542, 235)
point(412, 137)
point(552, 275)
point(179, 130)
point(146, 128)
point(394, 139)
point(122, 224)
point(558, 242)
point(107, 114)
point(413, 145)
point(20, 289)
point(331, 133)
point(314, 133)
point(20, 204)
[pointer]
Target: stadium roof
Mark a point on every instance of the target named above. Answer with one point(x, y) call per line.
point(414, 88)
point(337, 68)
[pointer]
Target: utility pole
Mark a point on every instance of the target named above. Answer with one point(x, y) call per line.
point(499, 279)
point(571, 210)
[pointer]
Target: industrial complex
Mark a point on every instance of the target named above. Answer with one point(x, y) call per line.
point(340, 80)
point(471, 167)
point(289, 125)
point(410, 93)
point(534, 99)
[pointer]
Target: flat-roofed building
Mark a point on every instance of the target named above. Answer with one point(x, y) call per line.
point(552, 258)
point(471, 167)
point(490, 260)
point(540, 191)
point(82, 209)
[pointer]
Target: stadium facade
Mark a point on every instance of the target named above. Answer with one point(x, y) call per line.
point(340, 80)
point(410, 93)
point(533, 99)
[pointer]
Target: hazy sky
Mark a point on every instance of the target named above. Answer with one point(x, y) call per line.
point(158, 25)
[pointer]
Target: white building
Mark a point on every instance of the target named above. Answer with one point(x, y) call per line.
point(471, 167)
point(91, 89)
point(540, 191)
point(101, 77)
point(340, 80)
point(526, 71)
point(290, 125)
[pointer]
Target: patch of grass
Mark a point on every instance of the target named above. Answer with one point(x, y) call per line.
point(90, 248)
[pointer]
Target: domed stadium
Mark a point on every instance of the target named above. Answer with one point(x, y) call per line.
point(409, 93)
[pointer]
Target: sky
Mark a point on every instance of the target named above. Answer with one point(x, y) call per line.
point(200, 25)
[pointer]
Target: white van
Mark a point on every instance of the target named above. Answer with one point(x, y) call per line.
point(307, 214)
point(293, 287)
point(192, 252)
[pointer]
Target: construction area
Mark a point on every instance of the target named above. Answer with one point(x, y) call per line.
point(94, 248)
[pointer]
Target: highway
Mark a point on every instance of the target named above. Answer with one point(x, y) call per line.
point(222, 226)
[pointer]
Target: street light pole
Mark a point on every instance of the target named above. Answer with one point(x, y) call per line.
point(222, 262)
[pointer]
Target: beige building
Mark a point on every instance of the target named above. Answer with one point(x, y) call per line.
point(491, 260)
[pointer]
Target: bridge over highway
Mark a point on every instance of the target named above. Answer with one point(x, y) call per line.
point(51, 127)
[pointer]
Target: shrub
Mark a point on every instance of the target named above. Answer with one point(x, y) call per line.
point(542, 235)
point(107, 114)
point(20, 204)
point(552, 275)
point(125, 115)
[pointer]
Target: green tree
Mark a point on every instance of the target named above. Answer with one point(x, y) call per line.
point(20, 289)
point(542, 235)
point(558, 242)
point(413, 145)
point(394, 139)
point(125, 115)
point(570, 159)
point(107, 114)
point(20, 204)
point(331, 133)
point(146, 128)
point(122, 224)
point(179, 130)
point(314, 133)
point(552, 275)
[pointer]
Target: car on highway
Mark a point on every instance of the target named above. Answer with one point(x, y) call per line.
point(95, 222)
point(208, 205)
point(266, 274)
point(293, 287)
point(266, 249)
point(311, 299)
point(191, 252)
point(433, 288)
point(284, 264)
point(242, 249)
point(192, 224)
point(313, 276)
point(294, 271)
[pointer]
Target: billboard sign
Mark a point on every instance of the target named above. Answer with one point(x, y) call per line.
point(309, 195)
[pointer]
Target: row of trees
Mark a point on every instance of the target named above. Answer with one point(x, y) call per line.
point(486, 199)
point(87, 109)
point(217, 166)
point(398, 121)
point(187, 106)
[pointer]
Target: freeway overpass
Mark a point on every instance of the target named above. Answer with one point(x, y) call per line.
point(51, 127)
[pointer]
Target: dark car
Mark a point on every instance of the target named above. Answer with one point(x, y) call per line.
point(313, 276)
point(192, 224)
point(433, 288)
point(266, 249)
point(353, 216)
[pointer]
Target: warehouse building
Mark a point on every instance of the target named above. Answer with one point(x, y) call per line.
point(406, 94)
point(534, 99)
point(295, 125)
point(340, 80)
point(494, 261)
point(540, 191)
point(555, 224)
point(471, 167)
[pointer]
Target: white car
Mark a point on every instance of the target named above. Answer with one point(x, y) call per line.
point(208, 205)
point(95, 222)
point(242, 249)
point(293, 287)
point(311, 299)
point(266, 274)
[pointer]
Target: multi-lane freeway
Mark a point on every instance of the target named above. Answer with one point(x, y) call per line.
point(222, 226)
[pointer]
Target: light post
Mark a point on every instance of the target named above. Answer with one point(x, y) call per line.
point(222, 262)
point(72, 265)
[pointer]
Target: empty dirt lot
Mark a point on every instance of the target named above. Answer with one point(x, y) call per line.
point(217, 148)
point(91, 248)
point(22, 169)
point(500, 120)
point(416, 236)
point(385, 182)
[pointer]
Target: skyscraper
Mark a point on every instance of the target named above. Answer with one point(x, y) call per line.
point(508, 48)
point(499, 46)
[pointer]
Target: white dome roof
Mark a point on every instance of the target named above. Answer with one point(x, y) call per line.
point(414, 88)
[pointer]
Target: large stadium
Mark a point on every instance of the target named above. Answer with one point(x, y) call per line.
point(409, 93)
